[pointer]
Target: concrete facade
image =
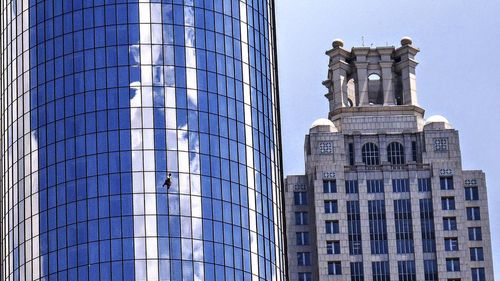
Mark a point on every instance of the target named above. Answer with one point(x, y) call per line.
point(384, 193)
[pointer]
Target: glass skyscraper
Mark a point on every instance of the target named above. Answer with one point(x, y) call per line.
point(100, 100)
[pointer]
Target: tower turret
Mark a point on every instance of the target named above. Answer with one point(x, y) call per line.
point(363, 77)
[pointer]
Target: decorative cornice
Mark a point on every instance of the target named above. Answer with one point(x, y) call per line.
point(402, 64)
point(377, 109)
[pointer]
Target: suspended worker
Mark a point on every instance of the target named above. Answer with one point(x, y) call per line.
point(168, 181)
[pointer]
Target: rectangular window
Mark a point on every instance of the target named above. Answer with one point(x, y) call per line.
point(449, 223)
point(305, 276)
point(473, 213)
point(414, 151)
point(478, 274)
point(302, 238)
point(400, 185)
point(351, 154)
point(354, 227)
point(452, 264)
point(430, 270)
point(301, 218)
point(357, 273)
point(304, 258)
point(427, 226)
point(334, 268)
point(448, 203)
point(407, 271)
point(329, 186)
point(476, 254)
point(424, 185)
point(380, 271)
point(300, 197)
point(332, 227)
point(375, 186)
point(471, 193)
point(475, 234)
point(403, 224)
point(451, 244)
point(331, 207)
point(378, 227)
point(446, 183)
point(333, 247)
point(351, 187)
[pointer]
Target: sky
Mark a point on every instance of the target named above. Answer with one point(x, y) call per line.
point(458, 75)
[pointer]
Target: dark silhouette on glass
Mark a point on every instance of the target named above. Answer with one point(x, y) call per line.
point(168, 181)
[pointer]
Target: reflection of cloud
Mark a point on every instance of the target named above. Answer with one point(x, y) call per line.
point(34, 161)
point(196, 213)
point(192, 95)
point(157, 75)
point(157, 54)
point(248, 140)
point(199, 271)
point(195, 185)
point(188, 15)
point(183, 137)
point(152, 246)
point(158, 97)
point(185, 205)
point(156, 12)
point(190, 37)
point(198, 256)
point(169, 75)
point(187, 250)
point(136, 138)
point(35, 208)
point(194, 163)
point(134, 57)
point(141, 117)
point(150, 58)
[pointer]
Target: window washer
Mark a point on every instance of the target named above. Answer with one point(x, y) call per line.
point(168, 181)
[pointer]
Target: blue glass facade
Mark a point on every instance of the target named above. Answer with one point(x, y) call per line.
point(100, 100)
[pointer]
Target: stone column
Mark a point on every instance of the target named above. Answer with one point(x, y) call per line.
point(409, 80)
point(339, 76)
point(406, 66)
point(382, 148)
point(361, 64)
point(386, 64)
point(357, 150)
point(365, 226)
point(416, 223)
point(408, 149)
point(362, 71)
point(387, 83)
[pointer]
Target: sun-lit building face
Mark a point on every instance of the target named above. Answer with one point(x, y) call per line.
point(100, 101)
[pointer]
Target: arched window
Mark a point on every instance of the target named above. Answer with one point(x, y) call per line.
point(351, 93)
point(370, 154)
point(375, 93)
point(396, 153)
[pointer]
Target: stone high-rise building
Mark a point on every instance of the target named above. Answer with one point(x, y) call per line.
point(384, 196)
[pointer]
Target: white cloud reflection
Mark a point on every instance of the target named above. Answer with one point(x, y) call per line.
point(156, 68)
point(141, 117)
point(248, 141)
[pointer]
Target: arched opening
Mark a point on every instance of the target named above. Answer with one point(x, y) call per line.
point(375, 93)
point(396, 153)
point(351, 93)
point(370, 154)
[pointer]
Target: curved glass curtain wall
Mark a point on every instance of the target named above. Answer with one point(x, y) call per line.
point(99, 100)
